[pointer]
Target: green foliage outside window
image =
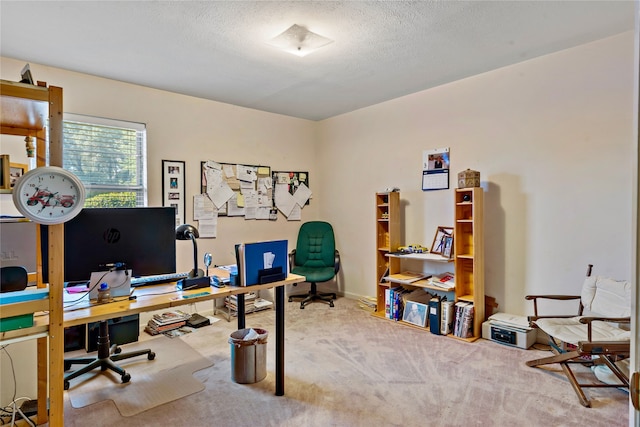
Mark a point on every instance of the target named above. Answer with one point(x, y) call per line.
point(111, 200)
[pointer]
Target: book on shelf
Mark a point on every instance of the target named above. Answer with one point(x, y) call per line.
point(458, 317)
point(247, 297)
point(368, 303)
point(152, 329)
point(406, 277)
point(466, 330)
point(261, 303)
point(444, 280)
point(168, 317)
point(446, 320)
point(434, 315)
point(420, 295)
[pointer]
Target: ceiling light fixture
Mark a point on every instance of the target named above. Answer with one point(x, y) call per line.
point(299, 41)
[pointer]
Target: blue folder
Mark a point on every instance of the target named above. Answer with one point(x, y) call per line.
point(261, 256)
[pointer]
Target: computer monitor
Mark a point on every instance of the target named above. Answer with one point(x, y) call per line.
point(143, 239)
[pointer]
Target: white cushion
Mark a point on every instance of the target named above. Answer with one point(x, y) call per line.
point(606, 297)
point(570, 330)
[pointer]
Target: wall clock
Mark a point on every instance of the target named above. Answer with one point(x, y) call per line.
point(49, 195)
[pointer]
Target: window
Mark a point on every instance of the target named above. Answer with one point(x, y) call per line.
point(109, 157)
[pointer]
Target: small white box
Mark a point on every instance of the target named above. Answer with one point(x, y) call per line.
point(521, 338)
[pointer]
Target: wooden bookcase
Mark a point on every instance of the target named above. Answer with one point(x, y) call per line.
point(387, 241)
point(468, 255)
point(469, 252)
point(24, 111)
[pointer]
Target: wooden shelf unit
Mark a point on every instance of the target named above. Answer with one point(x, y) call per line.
point(24, 111)
point(469, 252)
point(468, 255)
point(387, 241)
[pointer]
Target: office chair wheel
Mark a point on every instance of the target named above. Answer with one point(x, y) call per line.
point(66, 385)
point(330, 303)
point(117, 350)
point(290, 299)
point(301, 306)
point(126, 378)
point(67, 366)
point(151, 355)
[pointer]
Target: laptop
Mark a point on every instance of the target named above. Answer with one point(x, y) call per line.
point(119, 282)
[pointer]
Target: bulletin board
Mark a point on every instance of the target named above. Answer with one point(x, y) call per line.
point(251, 186)
point(291, 193)
point(292, 179)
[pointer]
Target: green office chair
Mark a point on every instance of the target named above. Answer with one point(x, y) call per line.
point(316, 258)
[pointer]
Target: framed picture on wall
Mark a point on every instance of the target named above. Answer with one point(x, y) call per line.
point(173, 188)
point(16, 170)
point(5, 181)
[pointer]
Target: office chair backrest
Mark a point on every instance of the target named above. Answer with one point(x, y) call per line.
point(606, 297)
point(316, 245)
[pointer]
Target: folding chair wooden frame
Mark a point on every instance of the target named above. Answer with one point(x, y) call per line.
point(582, 343)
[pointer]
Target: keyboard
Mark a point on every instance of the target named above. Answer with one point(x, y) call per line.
point(157, 279)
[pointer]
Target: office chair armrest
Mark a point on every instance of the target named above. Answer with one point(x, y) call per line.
point(336, 261)
point(535, 299)
point(292, 258)
point(589, 319)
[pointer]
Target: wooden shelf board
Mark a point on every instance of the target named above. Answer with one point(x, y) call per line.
point(23, 106)
point(468, 298)
point(465, 256)
point(422, 257)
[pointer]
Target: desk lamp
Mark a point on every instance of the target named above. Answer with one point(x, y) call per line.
point(196, 278)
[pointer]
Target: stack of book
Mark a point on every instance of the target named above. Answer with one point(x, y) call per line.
point(368, 303)
point(463, 319)
point(445, 281)
point(251, 303)
point(166, 321)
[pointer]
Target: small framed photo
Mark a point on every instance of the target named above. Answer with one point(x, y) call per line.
point(439, 240)
point(447, 251)
point(5, 178)
point(173, 188)
point(16, 170)
point(415, 313)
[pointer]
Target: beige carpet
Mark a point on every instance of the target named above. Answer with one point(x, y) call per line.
point(345, 368)
point(153, 382)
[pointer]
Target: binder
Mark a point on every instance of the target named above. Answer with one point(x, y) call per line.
point(434, 315)
point(261, 262)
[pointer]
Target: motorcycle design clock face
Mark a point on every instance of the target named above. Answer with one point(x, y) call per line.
point(49, 195)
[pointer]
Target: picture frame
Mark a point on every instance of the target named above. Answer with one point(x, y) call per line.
point(447, 251)
point(5, 177)
point(173, 188)
point(16, 170)
point(415, 313)
point(439, 240)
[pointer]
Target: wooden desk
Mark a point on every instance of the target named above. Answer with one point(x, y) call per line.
point(159, 297)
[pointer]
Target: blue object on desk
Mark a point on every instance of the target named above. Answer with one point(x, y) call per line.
point(199, 294)
point(264, 255)
point(22, 296)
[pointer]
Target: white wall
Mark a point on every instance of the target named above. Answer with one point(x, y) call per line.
point(552, 138)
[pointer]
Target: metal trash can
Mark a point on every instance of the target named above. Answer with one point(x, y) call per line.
point(248, 356)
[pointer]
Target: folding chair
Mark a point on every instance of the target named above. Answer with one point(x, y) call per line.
point(594, 337)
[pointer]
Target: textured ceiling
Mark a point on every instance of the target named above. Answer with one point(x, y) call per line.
point(217, 49)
